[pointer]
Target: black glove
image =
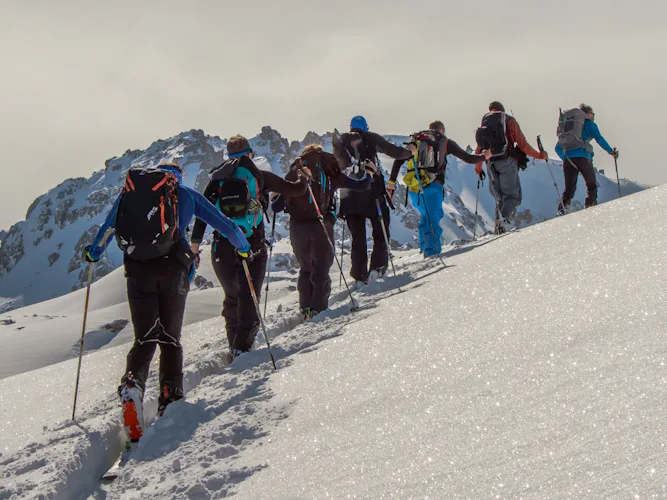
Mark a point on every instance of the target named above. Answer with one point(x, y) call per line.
point(87, 255)
point(482, 175)
point(614, 153)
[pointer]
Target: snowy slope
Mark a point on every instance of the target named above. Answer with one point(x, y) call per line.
point(40, 257)
point(533, 366)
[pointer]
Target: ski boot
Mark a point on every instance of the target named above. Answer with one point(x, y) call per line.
point(131, 399)
point(167, 396)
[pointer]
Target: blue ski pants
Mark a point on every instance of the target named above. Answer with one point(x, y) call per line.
point(429, 205)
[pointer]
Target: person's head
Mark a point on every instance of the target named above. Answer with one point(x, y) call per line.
point(310, 148)
point(437, 126)
point(496, 106)
point(238, 146)
point(588, 110)
point(359, 122)
point(174, 168)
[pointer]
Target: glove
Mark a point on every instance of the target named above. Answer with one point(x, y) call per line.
point(479, 169)
point(87, 254)
point(247, 256)
point(197, 260)
point(544, 155)
point(370, 167)
point(482, 175)
point(614, 153)
point(391, 188)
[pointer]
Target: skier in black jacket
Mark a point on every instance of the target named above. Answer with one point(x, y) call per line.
point(363, 146)
point(238, 309)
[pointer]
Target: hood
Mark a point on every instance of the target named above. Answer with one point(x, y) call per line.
point(174, 170)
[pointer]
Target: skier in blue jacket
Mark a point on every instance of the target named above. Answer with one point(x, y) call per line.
point(157, 289)
point(580, 160)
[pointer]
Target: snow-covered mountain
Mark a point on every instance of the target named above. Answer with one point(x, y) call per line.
point(40, 256)
point(533, 366)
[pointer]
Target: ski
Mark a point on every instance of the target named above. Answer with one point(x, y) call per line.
point(117, 468)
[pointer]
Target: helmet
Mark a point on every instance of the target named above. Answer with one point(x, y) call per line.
point(360, 123)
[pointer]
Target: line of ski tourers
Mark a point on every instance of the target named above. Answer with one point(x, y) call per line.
point(151, 217)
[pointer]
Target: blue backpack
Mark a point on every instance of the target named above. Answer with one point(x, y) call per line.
point(239, 192)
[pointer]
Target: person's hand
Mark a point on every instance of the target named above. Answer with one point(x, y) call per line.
point(614, 153)
point(479, 169)
point(482, 175)
point(391, 188)
point(197, 260)
point(487, 154)
point(305, 172)
point(544, 155)
point(370, 167)
point(246, 255)
point(412, 148)
point(87, 256)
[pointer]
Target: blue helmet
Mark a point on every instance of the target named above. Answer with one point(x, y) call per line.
point(360, 123)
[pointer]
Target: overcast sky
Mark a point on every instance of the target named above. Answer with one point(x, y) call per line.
point(84, 81)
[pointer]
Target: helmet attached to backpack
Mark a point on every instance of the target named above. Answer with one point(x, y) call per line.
point(570, 129)
point(147, 217)
point(423, 166)
point(238, 192)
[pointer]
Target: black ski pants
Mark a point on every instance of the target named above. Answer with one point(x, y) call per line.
point(156, 291)
point(572, 167)
point(238, 308)
point(380, 256)
point(315, 257)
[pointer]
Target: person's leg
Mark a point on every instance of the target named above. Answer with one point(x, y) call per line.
point(226, 267)
point(570, 175)
point(358, 253)
point(434, 196)
point(321, 258)
point(585, 167)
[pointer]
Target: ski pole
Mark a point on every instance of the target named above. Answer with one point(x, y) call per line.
point(268, 270)
point(618, 181)
point(474, 229)
point(83, 331)
point(560, 198)
point(355, 306)
point(386, 237)
point(342, 253)
point(261, 320)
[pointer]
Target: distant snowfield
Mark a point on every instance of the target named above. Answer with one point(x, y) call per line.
point(533, 366)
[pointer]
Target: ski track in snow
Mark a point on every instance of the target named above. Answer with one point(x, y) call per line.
point(220, 414)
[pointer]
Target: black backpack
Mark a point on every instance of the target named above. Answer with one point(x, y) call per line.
point(322, 166)
point(147, 217)
point(492, 135)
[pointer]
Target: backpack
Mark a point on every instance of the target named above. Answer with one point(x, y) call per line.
point(492, 135)
point(351, 144)
point(570, 129)
point(423, 166)
point(323, 166)
point(147, 216)
point(239, 192)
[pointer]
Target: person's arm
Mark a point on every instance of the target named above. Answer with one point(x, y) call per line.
point(594, 132)
point(200, 226)
point(517, 136)
point(456, 150)
point(94, 251)
point(277, 184)
point(206, 211)
point(389, 149)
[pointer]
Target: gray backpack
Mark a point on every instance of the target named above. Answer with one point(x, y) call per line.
point(570, 128)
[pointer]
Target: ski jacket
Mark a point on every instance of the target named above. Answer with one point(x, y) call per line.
point(450, 147)
point(515, 135)
point(190, 203)
point(590, 131)
point(272, 183)
point(341, 181)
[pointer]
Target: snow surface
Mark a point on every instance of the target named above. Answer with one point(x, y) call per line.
point(533, 366)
